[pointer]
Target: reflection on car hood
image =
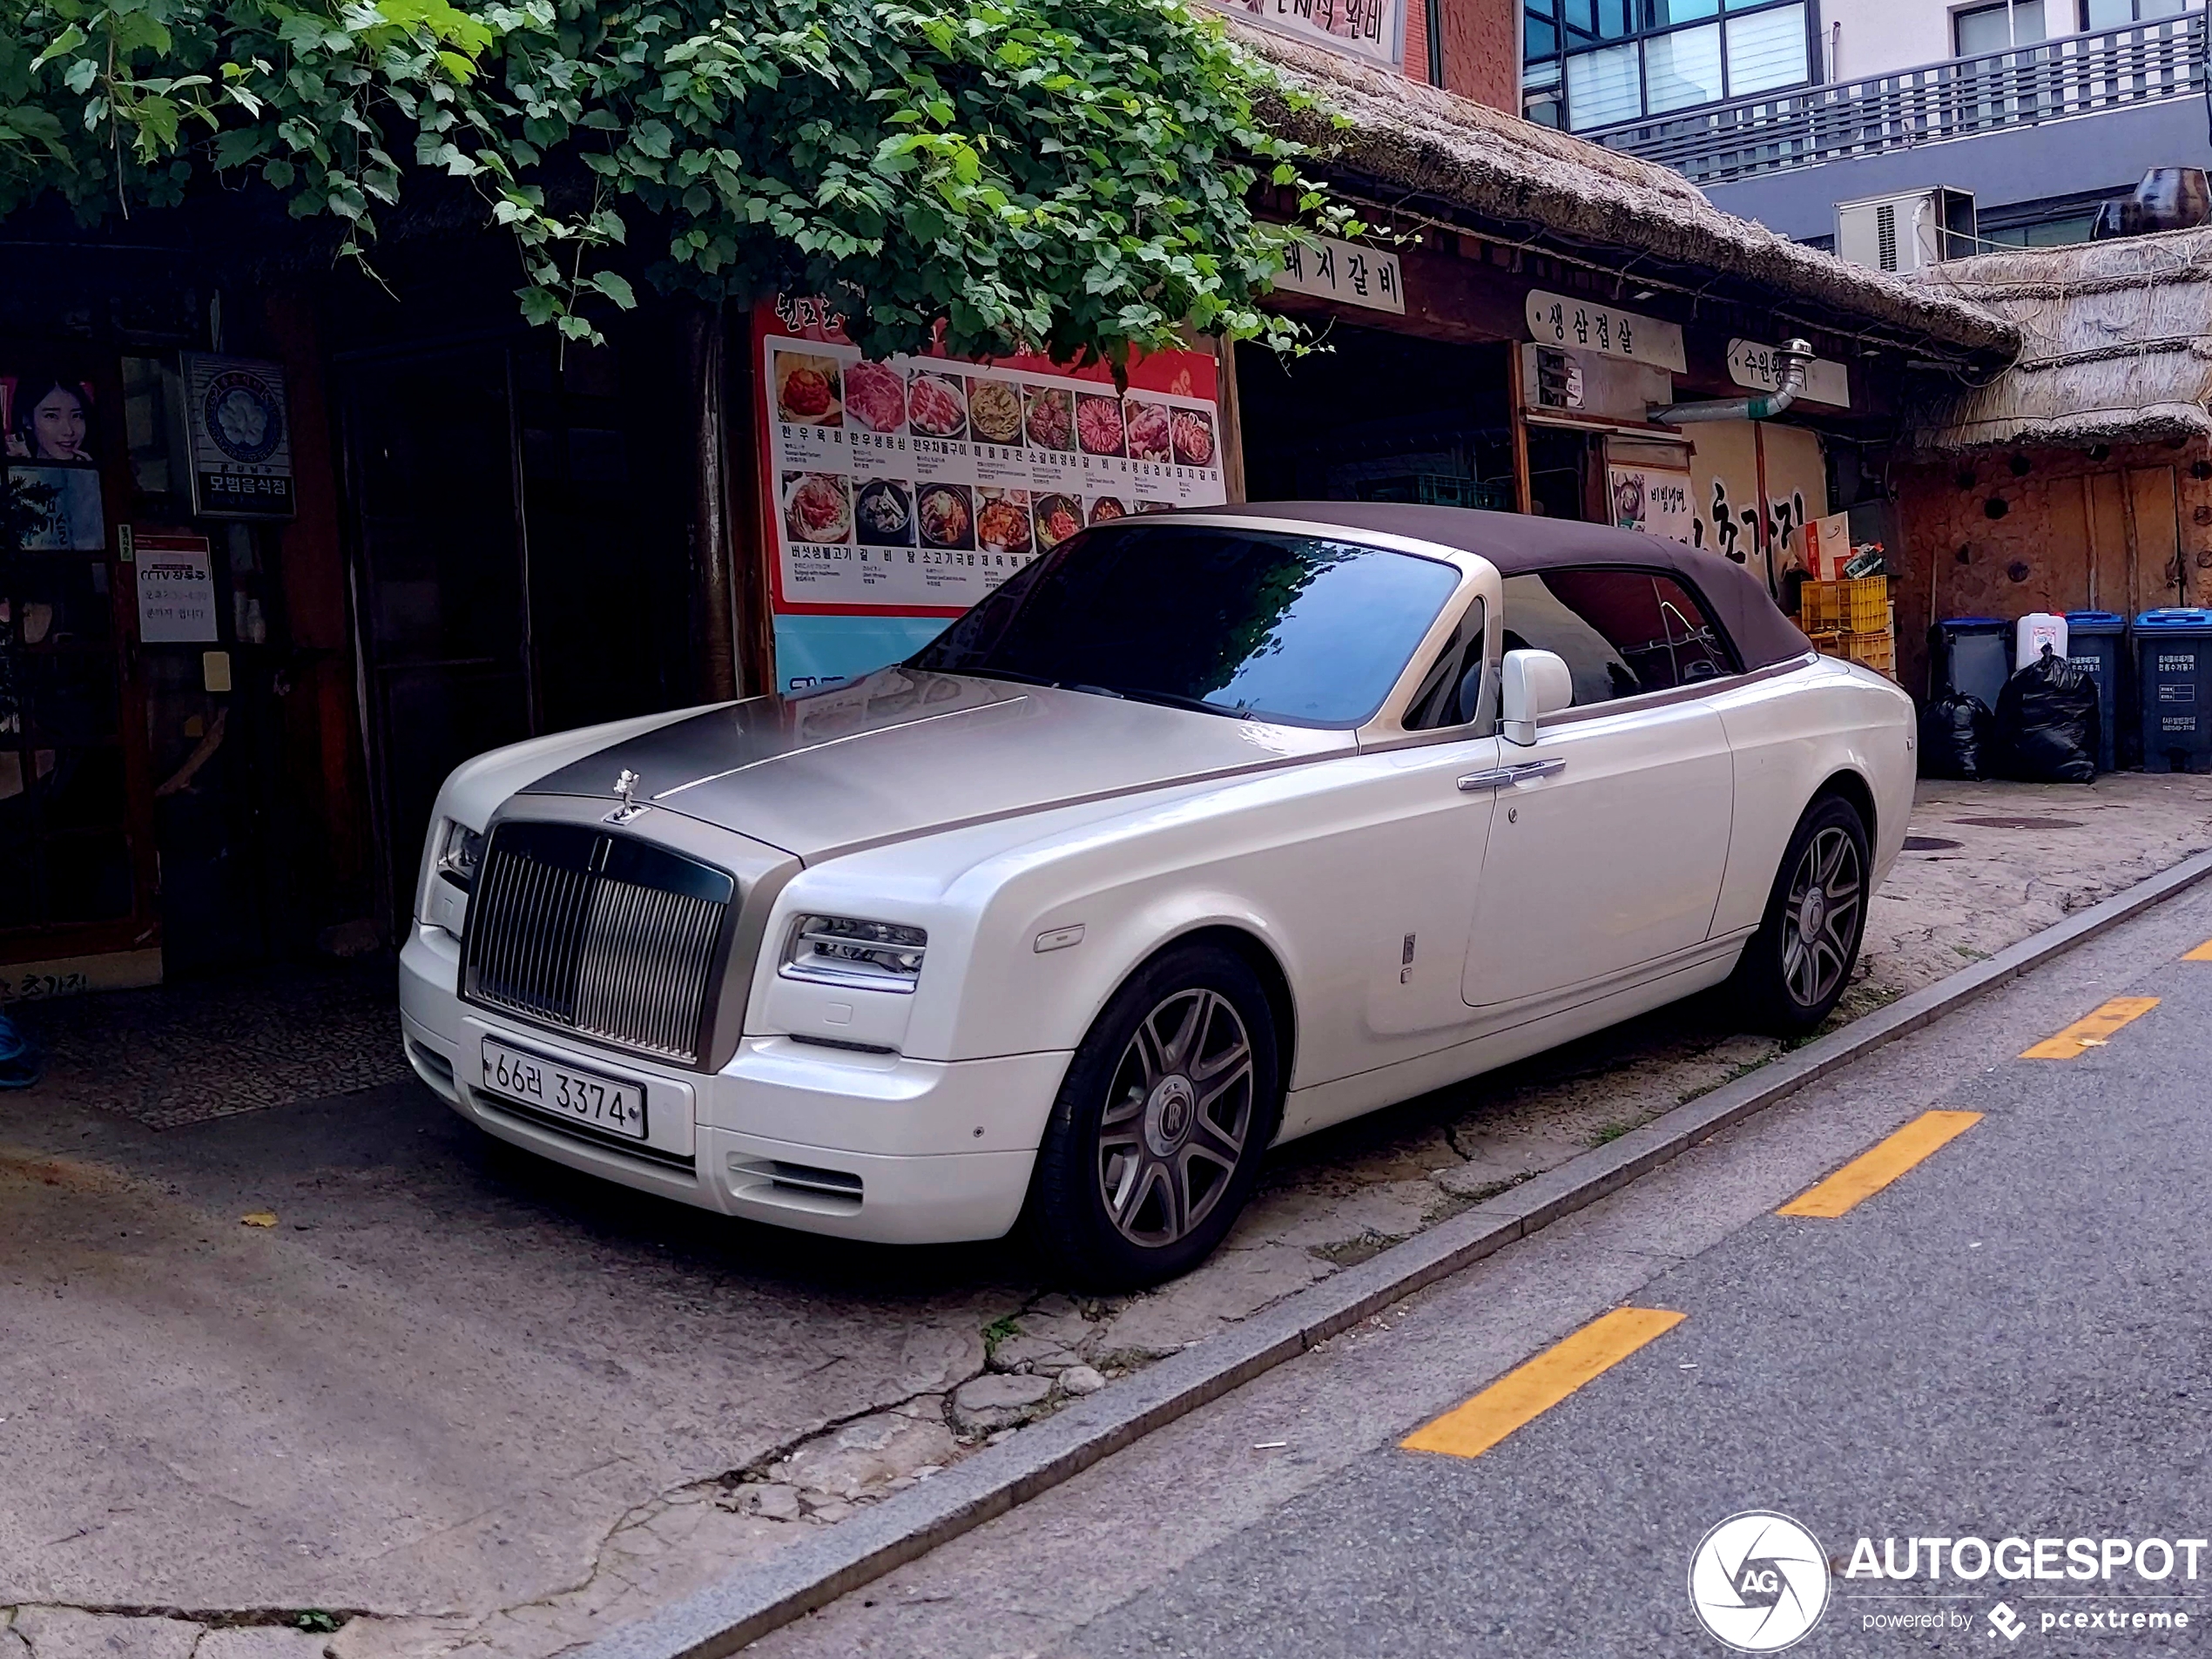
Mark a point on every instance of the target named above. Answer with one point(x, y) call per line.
point(903, 753)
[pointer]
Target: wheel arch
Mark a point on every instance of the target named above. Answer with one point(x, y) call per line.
point(1850, 785)
point(1257, 955)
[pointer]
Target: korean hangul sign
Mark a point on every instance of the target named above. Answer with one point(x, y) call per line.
point(240, 442)
point(1343, 271)
point(1373, 30)
point(1758, 368)
point(176, 589)
point(1583, 325)
point(916, 485)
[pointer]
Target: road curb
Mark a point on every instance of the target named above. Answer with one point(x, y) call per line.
point(750, 1603)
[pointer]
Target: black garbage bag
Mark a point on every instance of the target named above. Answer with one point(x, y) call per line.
point(1954, 738)
point(2046, 723)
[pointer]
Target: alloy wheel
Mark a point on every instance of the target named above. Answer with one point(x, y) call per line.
point(1177, 1116)
point(1827, 892)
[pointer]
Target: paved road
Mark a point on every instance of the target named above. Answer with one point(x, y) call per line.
point(2008, 1340)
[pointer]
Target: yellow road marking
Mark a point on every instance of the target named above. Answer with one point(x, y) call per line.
point(2201, 953)
point(2092, 1030)
point(1877, 1166)
point(1522, 1395)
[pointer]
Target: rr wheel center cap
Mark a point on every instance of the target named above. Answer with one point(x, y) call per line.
point(1169, 1110)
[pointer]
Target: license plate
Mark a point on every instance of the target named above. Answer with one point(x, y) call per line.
point(598, 1103)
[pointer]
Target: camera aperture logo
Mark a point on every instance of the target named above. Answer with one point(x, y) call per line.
point(1758, 1581)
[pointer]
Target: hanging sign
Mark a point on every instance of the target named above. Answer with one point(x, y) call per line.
point(176, 590)
point(1757, 367)
point(1655, 500)
point(240, 442)
point(1343, 271)
point(1372, 30)
point(1562, 319)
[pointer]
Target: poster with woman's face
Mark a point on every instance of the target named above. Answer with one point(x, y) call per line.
point(47, 417)
point(53, 475)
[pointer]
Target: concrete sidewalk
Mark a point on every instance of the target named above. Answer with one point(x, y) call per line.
point(491, 1408)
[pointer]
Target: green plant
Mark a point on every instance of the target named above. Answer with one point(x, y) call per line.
point(1073, 178)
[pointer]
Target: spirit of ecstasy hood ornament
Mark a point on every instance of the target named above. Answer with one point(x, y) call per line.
point(625, 790)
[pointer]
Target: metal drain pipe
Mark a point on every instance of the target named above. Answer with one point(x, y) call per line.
point(1795, 356)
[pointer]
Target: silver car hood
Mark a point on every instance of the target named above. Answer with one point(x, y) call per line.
point(904, 752)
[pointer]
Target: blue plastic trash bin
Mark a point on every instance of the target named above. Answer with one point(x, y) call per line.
point(1970, 654)
point(2173, 671)
point(2098, 640)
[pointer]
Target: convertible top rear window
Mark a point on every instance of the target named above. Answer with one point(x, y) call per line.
point(1304, 629)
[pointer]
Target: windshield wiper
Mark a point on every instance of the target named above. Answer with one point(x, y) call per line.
point(1172, 700)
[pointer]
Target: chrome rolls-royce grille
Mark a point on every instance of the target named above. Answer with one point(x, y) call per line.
point(599, 934)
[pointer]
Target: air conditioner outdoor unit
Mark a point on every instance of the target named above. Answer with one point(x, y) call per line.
point(1908, 230)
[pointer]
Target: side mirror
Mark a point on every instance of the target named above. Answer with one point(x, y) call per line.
point(1536, 683)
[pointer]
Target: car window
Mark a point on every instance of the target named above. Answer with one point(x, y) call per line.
point(1303, 628)
point(1622, 632)
point(1450, 693)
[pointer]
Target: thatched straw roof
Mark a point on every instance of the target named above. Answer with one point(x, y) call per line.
point(2118, 349)
point(1410, 142)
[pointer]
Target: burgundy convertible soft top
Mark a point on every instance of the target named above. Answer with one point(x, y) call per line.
point(1520, 544)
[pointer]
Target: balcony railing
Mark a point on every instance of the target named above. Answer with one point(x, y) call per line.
point(2109, 69)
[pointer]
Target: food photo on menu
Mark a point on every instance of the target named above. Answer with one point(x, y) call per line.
point(1002, 521)
point(884, 512)
point(818, 507)
point(945, 514)
point(995, 411)
point(1098, 425)
point(1193, 433)
point(1106, 509)
point(1057, 518)
point(875, 397)
point(808, 388)
point(936, 406)
point(1148, 432)
point(1051, 418)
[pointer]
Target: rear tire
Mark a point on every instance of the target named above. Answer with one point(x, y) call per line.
point(1157, 1135)
point(1794, 971)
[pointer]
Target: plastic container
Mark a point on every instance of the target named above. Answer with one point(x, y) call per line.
point(1970, 654)
point(1855, 607)
point(2173, 677)
point(2098, 640)
point(2034, 632)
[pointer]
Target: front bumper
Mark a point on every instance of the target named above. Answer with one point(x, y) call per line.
point(867, 1146)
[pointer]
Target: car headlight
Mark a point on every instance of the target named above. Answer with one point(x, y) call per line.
point(461, 855)
point(864, 955)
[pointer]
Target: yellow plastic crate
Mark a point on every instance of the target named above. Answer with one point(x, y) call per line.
point(1855, 607)
point(1876, 651)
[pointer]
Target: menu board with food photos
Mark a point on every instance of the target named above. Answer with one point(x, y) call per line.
point(916, 485)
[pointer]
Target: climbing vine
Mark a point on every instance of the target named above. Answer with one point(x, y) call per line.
point(1077, 178)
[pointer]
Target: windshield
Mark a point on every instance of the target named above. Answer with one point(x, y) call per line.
point(1297, 629)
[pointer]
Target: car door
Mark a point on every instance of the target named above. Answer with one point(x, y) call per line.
point(1609, 849)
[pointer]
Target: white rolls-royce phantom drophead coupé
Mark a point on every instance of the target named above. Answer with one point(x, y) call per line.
point(1204, 831)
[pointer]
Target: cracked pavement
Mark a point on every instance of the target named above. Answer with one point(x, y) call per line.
point(472, 1403)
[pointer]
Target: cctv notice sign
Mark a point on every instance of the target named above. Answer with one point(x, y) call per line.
point(176, 589)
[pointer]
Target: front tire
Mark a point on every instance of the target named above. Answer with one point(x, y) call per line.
point(1156, 1138)
point(1794, 971)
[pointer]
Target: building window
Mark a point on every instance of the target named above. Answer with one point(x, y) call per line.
point(1593, 63)
point(2119, 14)
point(1999, 28)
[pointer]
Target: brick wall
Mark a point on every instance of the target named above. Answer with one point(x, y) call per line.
point(2123, 529)
point(1481, 50)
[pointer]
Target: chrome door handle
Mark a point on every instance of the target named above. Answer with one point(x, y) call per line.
point(1520, 772)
